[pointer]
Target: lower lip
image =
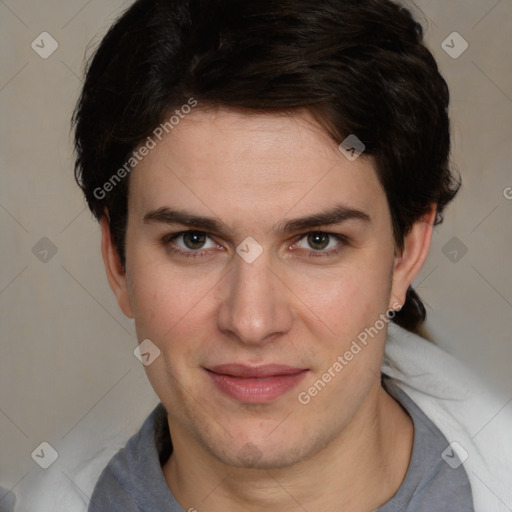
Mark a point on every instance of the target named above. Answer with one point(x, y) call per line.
point(256, 390)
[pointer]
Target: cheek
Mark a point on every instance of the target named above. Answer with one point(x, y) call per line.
point(169, 303)
point(348, 298)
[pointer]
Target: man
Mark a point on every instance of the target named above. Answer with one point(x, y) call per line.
point(266, 175)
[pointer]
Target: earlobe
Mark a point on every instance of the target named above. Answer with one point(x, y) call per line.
point(116, 275)
point(410, 260)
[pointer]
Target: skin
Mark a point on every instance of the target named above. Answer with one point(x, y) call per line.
point(293, 305)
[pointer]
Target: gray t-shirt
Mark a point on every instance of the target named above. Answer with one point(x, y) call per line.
point(133, 480)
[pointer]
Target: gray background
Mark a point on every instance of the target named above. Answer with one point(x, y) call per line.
point(67, 351)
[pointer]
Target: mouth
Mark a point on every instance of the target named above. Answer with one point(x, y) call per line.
point(255, 384)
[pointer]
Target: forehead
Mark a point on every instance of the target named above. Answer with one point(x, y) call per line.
point(221, 160)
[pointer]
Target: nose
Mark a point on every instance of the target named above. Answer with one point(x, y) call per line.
point(255, 307)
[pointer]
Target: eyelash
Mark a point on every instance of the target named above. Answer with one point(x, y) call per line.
point(342, 240)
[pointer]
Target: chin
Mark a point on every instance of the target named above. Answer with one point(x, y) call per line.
point(266, 454)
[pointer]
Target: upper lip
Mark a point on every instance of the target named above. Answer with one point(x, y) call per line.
point(247, 372)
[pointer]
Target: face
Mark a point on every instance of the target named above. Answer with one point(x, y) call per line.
point(256, 254)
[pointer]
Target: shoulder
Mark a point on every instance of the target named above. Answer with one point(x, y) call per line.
point(122, 483)
point(475, 420)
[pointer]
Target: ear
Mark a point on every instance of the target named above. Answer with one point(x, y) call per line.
point(411, 258)
point(114, 269)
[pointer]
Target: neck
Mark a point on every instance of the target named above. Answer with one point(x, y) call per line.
point(360, 470)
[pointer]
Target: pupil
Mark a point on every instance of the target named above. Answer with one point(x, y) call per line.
point(194, 240)
point(318, 241)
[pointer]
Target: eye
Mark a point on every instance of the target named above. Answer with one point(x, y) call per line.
point(322, 243)
point(190, 241)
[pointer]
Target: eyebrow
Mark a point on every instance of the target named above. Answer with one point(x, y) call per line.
point(331, 216)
